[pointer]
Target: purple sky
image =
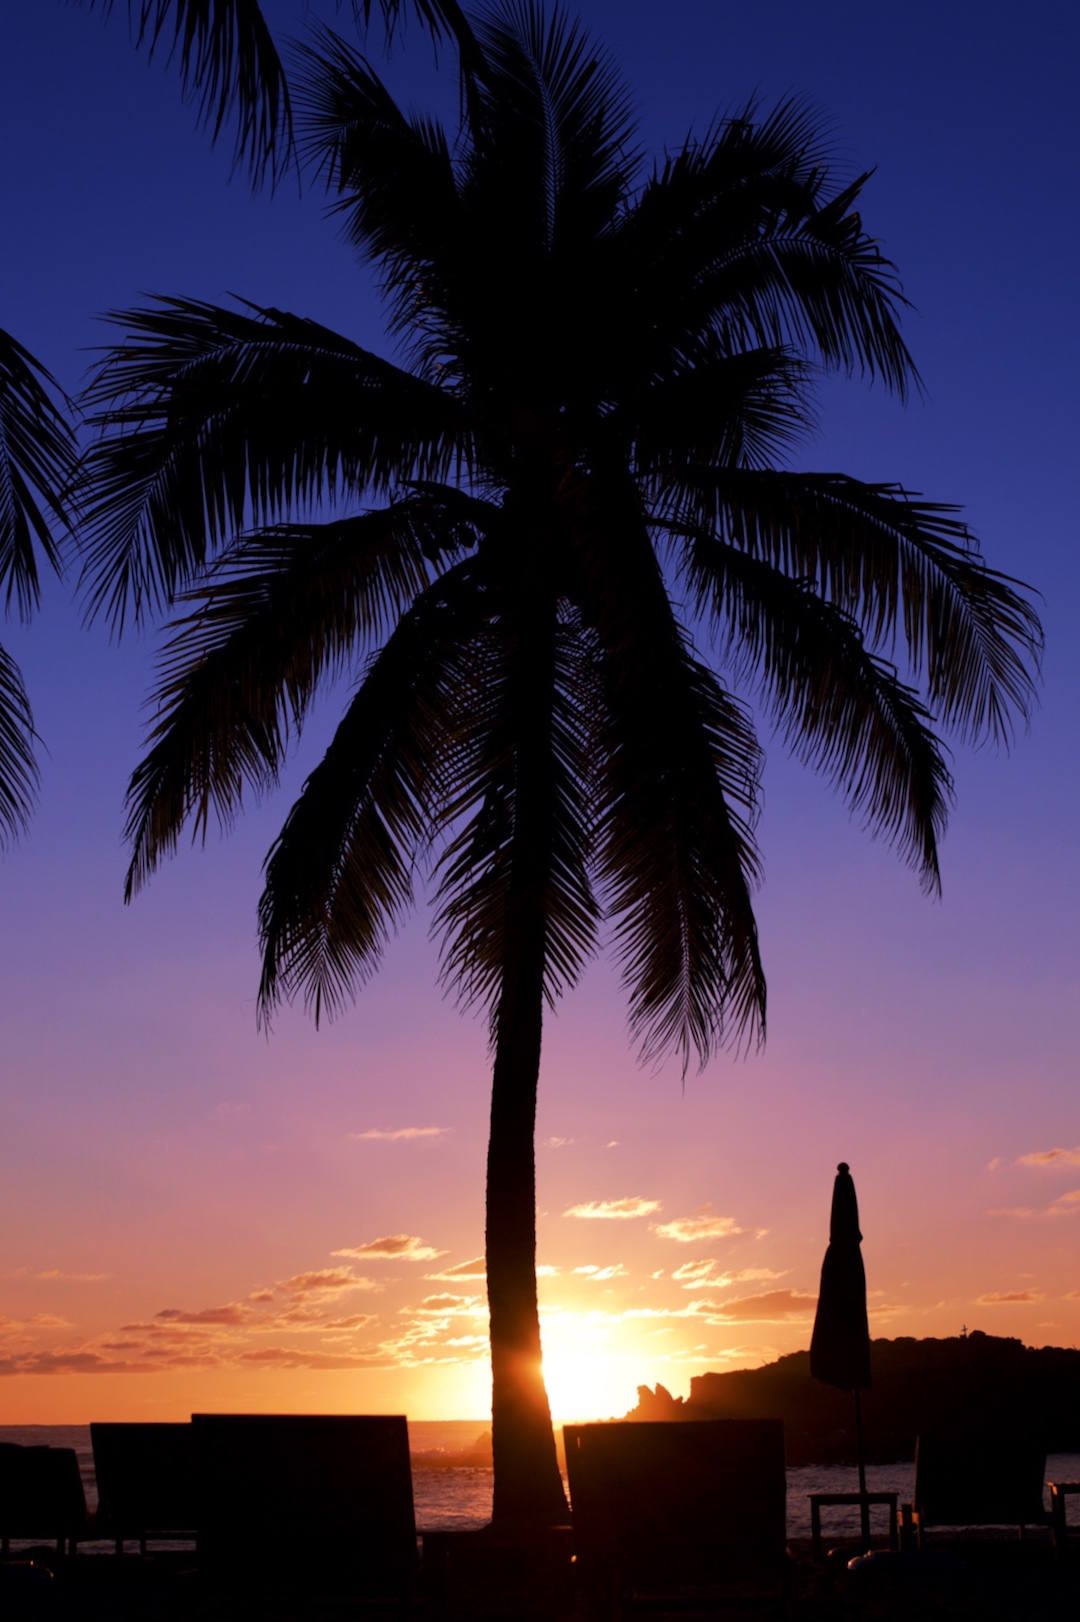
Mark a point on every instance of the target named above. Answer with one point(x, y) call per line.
point(151, 1136)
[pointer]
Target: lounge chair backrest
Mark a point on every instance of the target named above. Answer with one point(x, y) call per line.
point(145, 1479)
point(688, 1502)
point(330, 1490)
point(981, 1478)
point(41, 1492)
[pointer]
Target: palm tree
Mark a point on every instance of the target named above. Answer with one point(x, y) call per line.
point(516, 541)
point(37, 466)
point(230, 66)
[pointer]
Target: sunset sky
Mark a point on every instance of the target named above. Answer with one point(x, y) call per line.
point(194, 1216)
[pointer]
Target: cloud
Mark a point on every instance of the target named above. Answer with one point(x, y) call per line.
point(612, 1143)
point(694, 1275)
point(1051, 1157)
point(557, 1143)
point(704, 1225)
point(1067, 1204)
point(325, 1280)
point(547, 1270)
point(702, 1275)
point(613, 1210)
point(289, 1357)
point(470, 1272)
point(600, 1275)
point(233, 1313)
point(1008, 1298)
point(57, 1275)
point(398, 1134)
point(392, 1247)
point(774, 1306)
point(453, 1304)
point(992, 1165)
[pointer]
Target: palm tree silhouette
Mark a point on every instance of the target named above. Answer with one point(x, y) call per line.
point(230, 67)
point(37, 466)
point(572, 482)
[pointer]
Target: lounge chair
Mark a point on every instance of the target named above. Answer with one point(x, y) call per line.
point(323, 1500)
point(41, 1496)
point(975, 1479)
point(679, 1513)
point(146, 1482)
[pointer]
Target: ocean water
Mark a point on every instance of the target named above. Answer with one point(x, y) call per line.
point(449, 1497)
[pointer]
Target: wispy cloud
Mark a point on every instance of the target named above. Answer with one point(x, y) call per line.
point(392, 1247)
point(1009, 1298)
point(325, 1280)
point(600, 1275)
point(557, 1143)
point(398, 1134)
point(705, 1274)
point(58, 1275)
point(1051, 1157)
point(1067, 1204)
point(705, 1224)
point(472, 1271)
point(613, 1210)
point(775, 1306)
point(234, 1312)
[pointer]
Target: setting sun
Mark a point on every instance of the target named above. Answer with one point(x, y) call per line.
point(589, 1371)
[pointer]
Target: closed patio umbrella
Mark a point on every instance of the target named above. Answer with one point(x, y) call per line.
point(840, 1344)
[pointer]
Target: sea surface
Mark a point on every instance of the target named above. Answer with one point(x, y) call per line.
point(458, 1497)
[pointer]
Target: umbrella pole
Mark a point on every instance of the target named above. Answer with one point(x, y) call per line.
point(864, 1507)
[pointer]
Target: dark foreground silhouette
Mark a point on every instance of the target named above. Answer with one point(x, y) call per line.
point(312, 1517)
point(919, 1385)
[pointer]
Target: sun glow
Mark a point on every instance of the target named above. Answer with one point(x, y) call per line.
point(587, 1376)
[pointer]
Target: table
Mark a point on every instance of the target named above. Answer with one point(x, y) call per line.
point(818, 1499)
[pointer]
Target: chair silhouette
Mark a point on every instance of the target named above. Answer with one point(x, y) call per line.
point(324, 1500)
point(666, 1514)
point(41, 1496)
point(975, 1478)
point(146, 1482)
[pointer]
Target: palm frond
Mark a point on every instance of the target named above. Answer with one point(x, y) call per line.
point(742, 231)
point(393, 175)
point(213, 419)
point(18, 768)
point(679, 763)
point(840, 708)
point(442, 19)
point(553, 128)
point(339, 877)
point(724, 410)
point(901, 566)
point(229, 65)
point(285, 609)
point(37, 465)
point(524, 773)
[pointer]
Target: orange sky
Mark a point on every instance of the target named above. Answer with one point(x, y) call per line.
point(312, 1241)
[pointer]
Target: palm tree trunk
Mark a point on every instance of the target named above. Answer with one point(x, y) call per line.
point(528, 1487)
